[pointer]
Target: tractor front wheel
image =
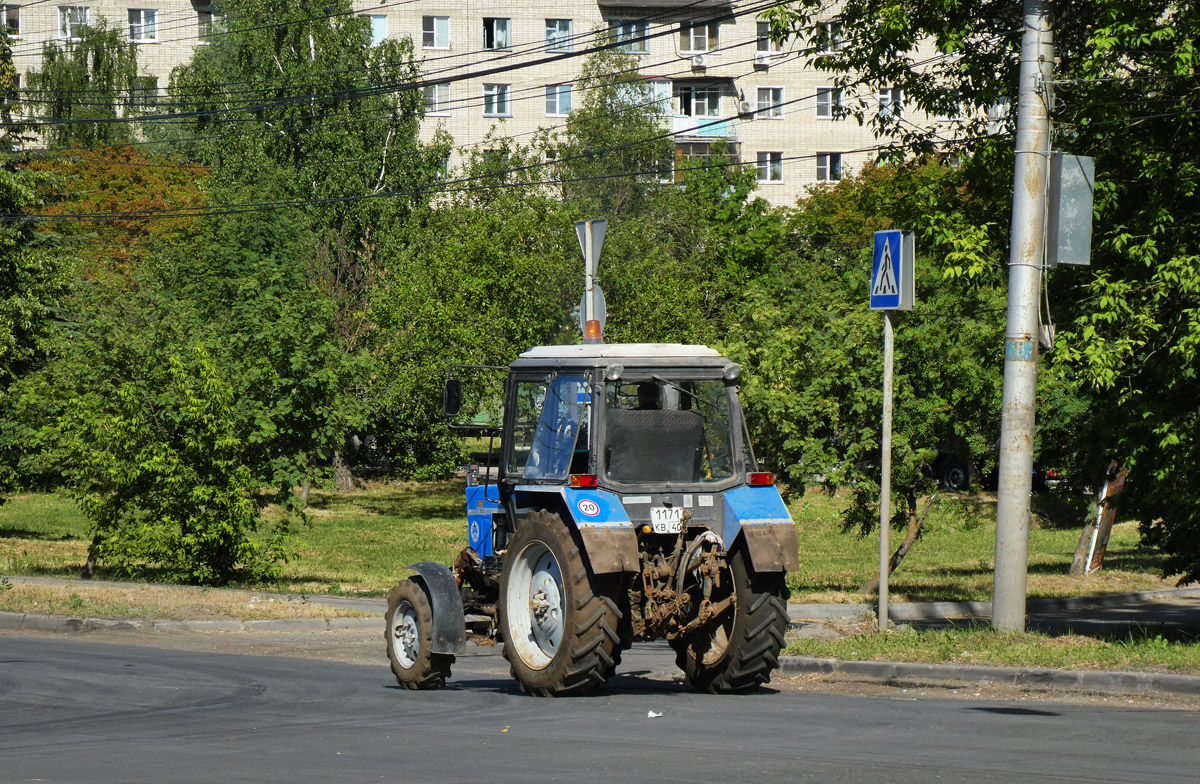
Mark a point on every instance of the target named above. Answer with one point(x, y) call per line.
point(409, 635)
point(736, 652)
point(560, 632)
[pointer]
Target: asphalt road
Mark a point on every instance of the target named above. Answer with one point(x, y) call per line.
point(80, 711)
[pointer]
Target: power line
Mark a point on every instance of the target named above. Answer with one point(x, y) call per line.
point(344, 199)
point(541, 45)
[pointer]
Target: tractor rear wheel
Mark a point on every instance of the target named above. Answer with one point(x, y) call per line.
point(736, 652)
point(409, 635)
point(560, 632)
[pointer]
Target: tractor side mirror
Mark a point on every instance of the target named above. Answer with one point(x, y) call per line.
point(452, 398)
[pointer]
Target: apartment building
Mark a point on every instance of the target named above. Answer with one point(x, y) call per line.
point(510, 69)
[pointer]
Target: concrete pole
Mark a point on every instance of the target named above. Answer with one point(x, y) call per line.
point(885, 484)
point(1020, 338)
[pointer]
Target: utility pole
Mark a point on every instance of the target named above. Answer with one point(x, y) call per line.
point(1021, 335)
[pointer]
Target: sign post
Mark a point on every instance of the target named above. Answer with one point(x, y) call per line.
point(892, 288)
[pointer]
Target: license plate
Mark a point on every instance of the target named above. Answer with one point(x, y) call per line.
point(666, 520)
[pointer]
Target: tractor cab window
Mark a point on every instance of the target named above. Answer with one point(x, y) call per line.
point(547, 421)
point(667, 431)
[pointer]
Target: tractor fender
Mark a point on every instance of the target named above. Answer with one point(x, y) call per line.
point(758, 518)
point(600, 519)
point(449, 621)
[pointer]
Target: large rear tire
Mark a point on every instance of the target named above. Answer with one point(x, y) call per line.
point(736, 652)
point(409, 635)
point(560, 632)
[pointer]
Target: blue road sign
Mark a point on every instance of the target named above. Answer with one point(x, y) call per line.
point(892, 271)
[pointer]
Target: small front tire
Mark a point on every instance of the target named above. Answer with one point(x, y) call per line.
point(409, 635)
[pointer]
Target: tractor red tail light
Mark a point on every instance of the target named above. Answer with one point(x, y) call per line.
point(762, 479)
point(583, 480)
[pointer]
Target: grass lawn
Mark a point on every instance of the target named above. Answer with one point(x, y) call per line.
point(980, 645)
point(360, 542)
point(955, 556)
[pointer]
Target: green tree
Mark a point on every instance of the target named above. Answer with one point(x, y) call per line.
point(84, 86)
point(477, 278)
point(304, 100)
point(615, 146)
point(1128, 330)
point(33, 279)
point(813, 350)
point(306, 96)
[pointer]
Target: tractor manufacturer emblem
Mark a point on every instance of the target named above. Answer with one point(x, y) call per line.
point(588, 507)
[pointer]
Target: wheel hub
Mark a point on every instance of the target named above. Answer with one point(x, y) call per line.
point(406, 635)
point(545, 607)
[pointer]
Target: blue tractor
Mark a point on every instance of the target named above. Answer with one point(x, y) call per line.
point(624, 505)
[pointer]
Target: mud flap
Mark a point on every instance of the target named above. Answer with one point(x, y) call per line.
point(759, 517)
point(611, 549)
point(449, 622)
point(772, 548)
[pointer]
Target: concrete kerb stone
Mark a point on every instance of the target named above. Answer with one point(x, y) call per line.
point(936, 611)
point(1100, 681)
point(71, 625)
point(197, 626)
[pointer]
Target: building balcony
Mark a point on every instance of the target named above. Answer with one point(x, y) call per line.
point(704, 127)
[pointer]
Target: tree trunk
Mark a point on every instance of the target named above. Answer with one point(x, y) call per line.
point(342, 475)
point(89, 566)
point(915, 525)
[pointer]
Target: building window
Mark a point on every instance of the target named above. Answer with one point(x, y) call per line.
point(765, 42)
point(692, 151)
point(697, 37)
point(829, 166)
point(143, 25)
point(495, 100)
point(701, 152)
point(558, 100)
point(495, 33)
point(770, 102)
point(210, 22)
point(697, 101)
point(378, 23)
point(829, 103)
point(496, 158)
point(143, 97)
point(71, 19)
point(435, 32)
point(631, 33)
point(437, 98)
point(558, 35)
point(829, 37)
point(891, 103)
point(10, 20)
point(770, 167)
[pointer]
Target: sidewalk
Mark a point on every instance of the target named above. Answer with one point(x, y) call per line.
point(1111, 615)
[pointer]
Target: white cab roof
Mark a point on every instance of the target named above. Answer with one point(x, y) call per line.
point(619, 351)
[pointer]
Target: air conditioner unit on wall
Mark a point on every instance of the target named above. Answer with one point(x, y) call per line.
point(699, 61)
point(762, 59)
point(745, 107)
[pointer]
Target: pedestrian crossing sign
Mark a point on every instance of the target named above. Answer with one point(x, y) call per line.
point(892, 271)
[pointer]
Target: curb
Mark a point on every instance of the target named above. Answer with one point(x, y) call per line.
point(73, 625)
point(1118, 681)
point(939, 611)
